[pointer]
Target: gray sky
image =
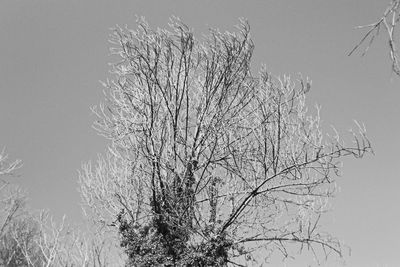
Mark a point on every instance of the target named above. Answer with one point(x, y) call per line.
point(53, 53)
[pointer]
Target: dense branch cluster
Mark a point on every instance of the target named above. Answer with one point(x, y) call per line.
point(208, 161)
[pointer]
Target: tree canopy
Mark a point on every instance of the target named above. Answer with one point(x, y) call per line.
point(208, 163)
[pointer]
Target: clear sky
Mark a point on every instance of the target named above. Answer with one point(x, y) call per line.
point(53, 53)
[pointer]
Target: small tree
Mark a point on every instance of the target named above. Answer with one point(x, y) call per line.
point(30, 239)
point(389, 22)
point(61, 244)
point(17, 229)
point(208, 162)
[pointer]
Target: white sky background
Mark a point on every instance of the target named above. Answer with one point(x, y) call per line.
point(53, 53)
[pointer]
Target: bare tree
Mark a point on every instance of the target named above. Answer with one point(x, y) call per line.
point(86, 247)
point(62, 244)
point(12, 198)
point(35, 239)
point(21, 239)
point(12, 210)
point(208, 162)
point(389, 22)
point(19, 230)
